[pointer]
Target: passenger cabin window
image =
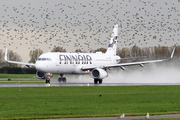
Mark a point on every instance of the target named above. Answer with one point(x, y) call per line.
point(44, 59)
point(74, 62)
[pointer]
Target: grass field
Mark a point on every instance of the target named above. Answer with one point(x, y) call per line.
point(18, 76)
point(62, 102)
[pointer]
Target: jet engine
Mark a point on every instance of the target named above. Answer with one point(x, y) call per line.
point(40, 75)
point(99, 73)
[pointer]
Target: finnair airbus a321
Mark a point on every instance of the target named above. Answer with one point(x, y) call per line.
point(81, 63)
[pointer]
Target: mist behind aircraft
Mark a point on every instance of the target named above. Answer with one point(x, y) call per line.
point(159, 73)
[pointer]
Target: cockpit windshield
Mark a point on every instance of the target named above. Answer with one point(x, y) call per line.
point(44, 59)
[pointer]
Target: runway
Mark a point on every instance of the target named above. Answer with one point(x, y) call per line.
point(126, 118)
point(80, 84)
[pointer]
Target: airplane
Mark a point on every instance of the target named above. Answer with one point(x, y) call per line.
point(95, 64)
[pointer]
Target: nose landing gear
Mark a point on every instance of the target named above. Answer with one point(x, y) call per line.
point(48, 76)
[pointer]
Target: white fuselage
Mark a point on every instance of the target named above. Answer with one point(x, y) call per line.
point(71, 63)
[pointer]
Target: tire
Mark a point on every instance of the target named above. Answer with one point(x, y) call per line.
point(47, 81)
point(95, 81)
point(64, 80)
point(100, 81)
point(59, 79)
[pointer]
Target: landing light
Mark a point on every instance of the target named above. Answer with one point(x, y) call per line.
point(87, 71)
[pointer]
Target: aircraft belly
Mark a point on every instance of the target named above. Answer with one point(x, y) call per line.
point(66, 69)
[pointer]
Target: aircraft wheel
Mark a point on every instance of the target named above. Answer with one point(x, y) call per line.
point(47, 81)
point(95, 81)
point(59, 79)
point(64, 80)
point(100, 81)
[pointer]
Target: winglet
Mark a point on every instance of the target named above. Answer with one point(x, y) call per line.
point(172, 54)
point(6, 55)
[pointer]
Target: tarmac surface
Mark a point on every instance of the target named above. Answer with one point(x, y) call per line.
point(125, 118)
point(80, 84)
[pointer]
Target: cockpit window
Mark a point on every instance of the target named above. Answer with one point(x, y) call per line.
point(49, 59)
point(44, 59)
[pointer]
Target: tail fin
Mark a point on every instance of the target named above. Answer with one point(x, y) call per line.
point(113, 42)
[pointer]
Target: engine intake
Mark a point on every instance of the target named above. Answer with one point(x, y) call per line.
point(99, 73)
point(40, 75)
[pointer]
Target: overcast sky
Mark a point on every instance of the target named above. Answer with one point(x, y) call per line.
point(86, 24)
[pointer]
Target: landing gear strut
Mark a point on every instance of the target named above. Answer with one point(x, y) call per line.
point(48, 76)
point(97, 80)
point(61, 78)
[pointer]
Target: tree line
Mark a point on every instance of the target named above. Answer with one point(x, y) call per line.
point(160, 52)
point(17, 70)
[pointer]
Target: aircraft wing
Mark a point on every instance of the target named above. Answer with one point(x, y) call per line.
point(16, 62)
point(127, 64)
point(134, 63)
point(129, 58)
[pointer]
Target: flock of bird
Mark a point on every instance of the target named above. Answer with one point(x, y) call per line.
point(87, 25)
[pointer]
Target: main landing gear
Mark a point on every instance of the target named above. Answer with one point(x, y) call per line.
point(62, 79)
point(97, 80)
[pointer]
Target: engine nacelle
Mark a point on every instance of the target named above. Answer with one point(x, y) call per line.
point(99, 73)
point(43, 75)
point(40, 75)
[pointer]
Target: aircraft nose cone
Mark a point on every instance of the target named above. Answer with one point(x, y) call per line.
point(39, 66)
